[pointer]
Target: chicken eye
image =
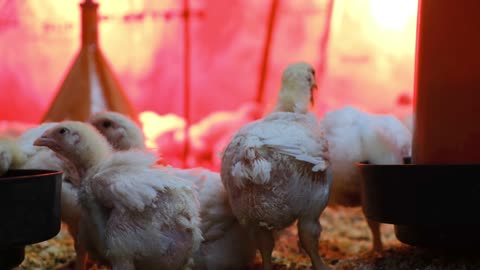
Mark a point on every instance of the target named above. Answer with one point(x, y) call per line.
point(107, 124)
point(309, 79)
point(63, 131)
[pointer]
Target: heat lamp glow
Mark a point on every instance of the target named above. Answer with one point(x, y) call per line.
point(391, 14)
point(369, 61)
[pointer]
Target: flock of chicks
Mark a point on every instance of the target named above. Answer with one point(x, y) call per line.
point(126, 210)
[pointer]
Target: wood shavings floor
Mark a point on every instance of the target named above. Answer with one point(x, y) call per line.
point(344, 244)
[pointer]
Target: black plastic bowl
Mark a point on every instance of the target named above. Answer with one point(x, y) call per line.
point(430, 205)
point(30, 211)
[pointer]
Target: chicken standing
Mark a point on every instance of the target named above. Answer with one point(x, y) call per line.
point(133, 216)
point(226, 244)
point(276, 169)
point(355, 136)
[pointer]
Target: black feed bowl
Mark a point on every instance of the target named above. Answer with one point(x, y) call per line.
point(433, 206)
point(30, 210)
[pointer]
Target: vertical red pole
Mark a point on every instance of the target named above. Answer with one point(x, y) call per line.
point(447, 83)
point(186, 80)
point(89, 23)
point(266, 51)
point(324, 40)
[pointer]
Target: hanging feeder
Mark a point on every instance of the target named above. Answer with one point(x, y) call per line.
point(90, 86)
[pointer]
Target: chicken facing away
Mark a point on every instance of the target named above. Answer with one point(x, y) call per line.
point(276, 169)
point(133, 216)
point(226, 244)
point(355, 136)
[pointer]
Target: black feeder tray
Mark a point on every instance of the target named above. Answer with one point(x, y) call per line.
point(431, 206)
point(30, 210)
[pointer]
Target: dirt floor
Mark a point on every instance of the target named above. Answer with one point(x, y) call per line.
point(344, 243)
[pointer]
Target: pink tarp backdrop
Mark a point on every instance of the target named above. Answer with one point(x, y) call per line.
point(370, 59)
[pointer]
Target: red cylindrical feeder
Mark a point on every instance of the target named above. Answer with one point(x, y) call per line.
point(447, 83)
point(432, 201)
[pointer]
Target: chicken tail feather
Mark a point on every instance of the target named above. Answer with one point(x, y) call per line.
point(252, 165)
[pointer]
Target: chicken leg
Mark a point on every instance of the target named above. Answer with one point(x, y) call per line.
point(309, 231)
point(265, 242)
point(122, 264)
point(80, 250)
point(377, 240)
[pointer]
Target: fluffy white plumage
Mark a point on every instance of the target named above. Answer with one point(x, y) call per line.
point(408, 121)
point(209, 136)
point(122, 133)
point(10, 154)
point(356, 136)
point(295, 135)
point(276, 169)
point(133, 216)
point(20, 153)
point(226, 244)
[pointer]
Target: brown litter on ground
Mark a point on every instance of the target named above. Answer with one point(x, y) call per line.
point(344, 244)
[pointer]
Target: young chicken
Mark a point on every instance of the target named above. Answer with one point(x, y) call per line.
point(22, 154)
point(133, 216)
point(10, 155)
point(356, 136)
point(226, 244)
point(276, 169)
point(120, 131)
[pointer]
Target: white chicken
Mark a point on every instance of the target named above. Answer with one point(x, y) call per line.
point(217, 128)
point(10, 155)
point(408, 121)
point(355, 136)
point(226, 244)
point(276, 169)
point(22, 154)
point(121, 132)
point(133, 216)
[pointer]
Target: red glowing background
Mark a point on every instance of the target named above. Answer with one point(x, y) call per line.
point(367, 48)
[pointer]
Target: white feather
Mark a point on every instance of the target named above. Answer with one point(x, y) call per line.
point(292, 134)
point(129, 182)
point(226, 244)
point(356, 136)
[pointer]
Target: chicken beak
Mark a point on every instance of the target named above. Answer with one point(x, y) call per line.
point(44, 141)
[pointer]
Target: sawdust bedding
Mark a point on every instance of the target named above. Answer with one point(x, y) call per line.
point(344, 243)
